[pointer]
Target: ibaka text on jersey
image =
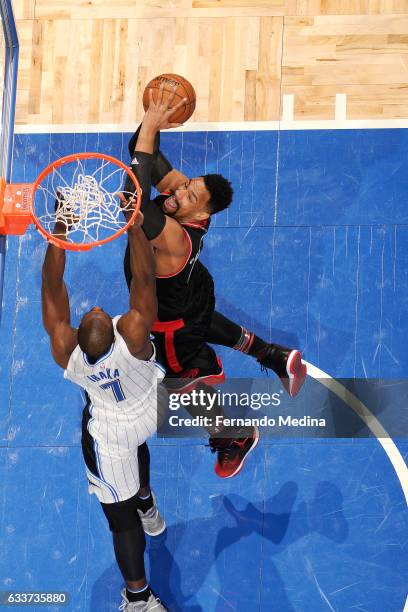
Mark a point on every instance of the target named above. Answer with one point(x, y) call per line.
point(104, 375)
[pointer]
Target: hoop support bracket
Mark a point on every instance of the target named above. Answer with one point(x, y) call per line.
point(15, 213)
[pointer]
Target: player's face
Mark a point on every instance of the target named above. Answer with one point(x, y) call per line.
point(190, 202)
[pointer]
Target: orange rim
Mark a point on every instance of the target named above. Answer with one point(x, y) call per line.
point(69, 246)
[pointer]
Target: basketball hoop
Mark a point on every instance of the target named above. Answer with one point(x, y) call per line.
point(80, 193)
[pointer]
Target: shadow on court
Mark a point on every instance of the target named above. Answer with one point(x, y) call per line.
point(199, 554)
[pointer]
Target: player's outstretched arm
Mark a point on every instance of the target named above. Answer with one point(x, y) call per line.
point(165, 234)
point(55, 303)
point(136, 324)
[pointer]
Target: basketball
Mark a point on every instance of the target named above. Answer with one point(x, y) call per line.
point(184, 90)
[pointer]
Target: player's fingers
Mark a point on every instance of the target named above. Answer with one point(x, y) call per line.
point(171, 96)
point(126, 204)
point(151, 102)
point(179, 105)
point(59, 200)
point(160, 95)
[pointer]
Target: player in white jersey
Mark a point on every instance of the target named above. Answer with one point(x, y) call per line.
point(114, 361)
point(121, 413)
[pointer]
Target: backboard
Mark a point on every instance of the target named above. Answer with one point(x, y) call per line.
point(8, 86)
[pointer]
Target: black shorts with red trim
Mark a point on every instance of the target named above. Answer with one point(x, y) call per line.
point(182, 351)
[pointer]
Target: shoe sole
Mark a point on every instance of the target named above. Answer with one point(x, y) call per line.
point(296, 371)
point(241, 465)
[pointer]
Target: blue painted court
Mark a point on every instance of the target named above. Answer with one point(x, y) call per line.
point(313, 253)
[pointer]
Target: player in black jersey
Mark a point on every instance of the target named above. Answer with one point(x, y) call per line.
point(176, 225)
point(185, 292)
point(215, 193)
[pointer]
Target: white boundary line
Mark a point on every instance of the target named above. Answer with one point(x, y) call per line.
point(341, 108)
point(287, 123)
point(369, 419)
point(288, 108)
point(372, 423)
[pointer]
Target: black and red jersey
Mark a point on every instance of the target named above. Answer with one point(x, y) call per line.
point(187, 294)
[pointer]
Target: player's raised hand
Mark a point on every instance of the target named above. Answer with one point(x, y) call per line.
point(158, 115)
point(128, 207)
point(65, 217)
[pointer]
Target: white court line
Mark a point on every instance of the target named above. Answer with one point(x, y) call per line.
point(288, 108)
point(369, 419)
point(286, 124)
point(341, 108)
point(372, 423)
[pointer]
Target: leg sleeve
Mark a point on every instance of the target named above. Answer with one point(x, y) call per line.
point(129, 549)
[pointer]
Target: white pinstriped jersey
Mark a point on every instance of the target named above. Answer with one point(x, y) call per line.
point(123, 393)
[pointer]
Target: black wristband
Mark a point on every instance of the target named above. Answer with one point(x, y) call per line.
point(141, 166)
point(160, 164)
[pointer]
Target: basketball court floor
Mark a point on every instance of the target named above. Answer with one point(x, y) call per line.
point(313, 253)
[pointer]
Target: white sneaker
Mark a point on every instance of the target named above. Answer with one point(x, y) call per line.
point(153, 603)
point(153, 524)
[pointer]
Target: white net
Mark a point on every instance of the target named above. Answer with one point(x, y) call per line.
point(82, 196)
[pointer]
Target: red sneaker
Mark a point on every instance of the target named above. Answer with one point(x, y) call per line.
point(232, 453)
point(287, 364)
point(188, 379)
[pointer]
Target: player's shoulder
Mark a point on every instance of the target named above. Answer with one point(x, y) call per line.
point(122, 323)
point(131, 333)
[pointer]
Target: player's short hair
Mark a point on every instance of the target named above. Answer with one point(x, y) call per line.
point(95, 336)
point(221, 192)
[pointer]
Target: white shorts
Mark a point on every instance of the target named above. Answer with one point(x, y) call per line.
point(110, 451)
point(117, 478)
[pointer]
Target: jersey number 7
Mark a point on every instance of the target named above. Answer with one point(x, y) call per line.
point(116, 388)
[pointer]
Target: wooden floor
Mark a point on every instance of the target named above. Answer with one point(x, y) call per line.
point(87, 61)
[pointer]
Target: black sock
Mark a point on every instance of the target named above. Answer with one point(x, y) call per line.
point(257, 347)
point(140, 595)
point(145, 504)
